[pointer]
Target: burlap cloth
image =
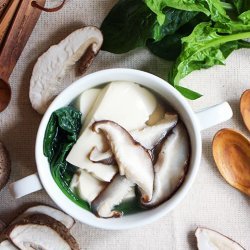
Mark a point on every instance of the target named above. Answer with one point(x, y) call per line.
point(211, 202)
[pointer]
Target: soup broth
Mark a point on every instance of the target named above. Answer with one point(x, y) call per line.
point(117, 150)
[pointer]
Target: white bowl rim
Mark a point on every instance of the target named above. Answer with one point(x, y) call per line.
point(74, 210)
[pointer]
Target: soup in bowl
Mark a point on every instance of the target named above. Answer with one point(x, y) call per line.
point(119, 148)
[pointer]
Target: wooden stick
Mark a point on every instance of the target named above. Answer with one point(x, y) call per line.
point(3, 6)
point(7, 18)
point(18, 35)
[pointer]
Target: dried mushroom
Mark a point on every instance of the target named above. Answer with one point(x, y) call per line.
point(56, 214)
point(39, 227)
point(41, 232)
point(7, 245)
point(208, 239)
point(5, 166)
point(83, 44)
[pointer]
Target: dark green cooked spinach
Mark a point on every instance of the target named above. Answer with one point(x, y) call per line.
point(61, 134)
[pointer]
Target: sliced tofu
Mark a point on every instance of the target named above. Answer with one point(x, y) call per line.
point(86, 186)
point(79, 156)
point(125, 103)
point(86, 100)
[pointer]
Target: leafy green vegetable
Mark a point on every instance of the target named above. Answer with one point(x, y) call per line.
point(174, 19)
point(213, 8)
point(188, 93)
point(240, 5)
point(60, 136)
point(196, 33)
point(208, 45)
point(177, 25)
point(128, 25)
point(168, 48)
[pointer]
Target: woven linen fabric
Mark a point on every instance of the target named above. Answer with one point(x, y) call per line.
point(211, 202)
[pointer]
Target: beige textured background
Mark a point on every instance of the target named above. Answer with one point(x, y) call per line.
point(211, 201)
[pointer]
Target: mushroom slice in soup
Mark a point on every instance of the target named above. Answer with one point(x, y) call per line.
point(132, 158)
point(112, 196)
point(150, 136)
point(106, 158)
point(171, 165)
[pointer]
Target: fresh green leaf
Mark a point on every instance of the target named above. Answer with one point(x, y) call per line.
point(240, 5)
point(213, 8)
point(243, 44)
point(188, 93)
point(178, 25)
point(168, 48)
point(128, 25)
point(174, 19)
point(205, 47)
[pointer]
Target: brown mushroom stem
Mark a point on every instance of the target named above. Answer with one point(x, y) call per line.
point(40, 7)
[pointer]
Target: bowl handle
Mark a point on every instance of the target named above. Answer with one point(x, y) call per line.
point(25, 186)
point(214, 115)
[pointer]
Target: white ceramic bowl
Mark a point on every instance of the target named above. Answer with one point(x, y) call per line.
point(194, 125)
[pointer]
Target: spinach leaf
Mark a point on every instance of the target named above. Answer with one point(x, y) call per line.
point(209, 45)
point(178, 24)
point(174, 19)
point(240, 5)
point(61, 134)
point(63, 126)
point(188, 93)
point(168, 48)
point(128, 25)
point(213, 8)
